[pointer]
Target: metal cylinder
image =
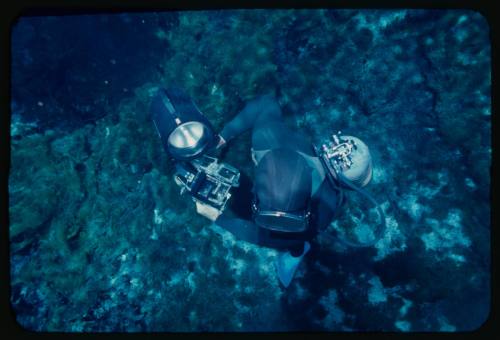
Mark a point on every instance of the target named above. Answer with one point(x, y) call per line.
point(360, 172)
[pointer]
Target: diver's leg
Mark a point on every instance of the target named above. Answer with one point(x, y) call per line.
point(247, 230)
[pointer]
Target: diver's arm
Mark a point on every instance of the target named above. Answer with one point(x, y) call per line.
point(260, 110)
point(325, 203)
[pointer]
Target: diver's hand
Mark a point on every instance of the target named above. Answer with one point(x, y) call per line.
point(220, 143)
point(207, 211)
point(216, 147)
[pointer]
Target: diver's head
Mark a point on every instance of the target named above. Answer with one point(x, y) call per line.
point(282, 191)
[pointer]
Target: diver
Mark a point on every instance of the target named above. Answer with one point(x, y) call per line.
point(294, 194)
point(290, 199)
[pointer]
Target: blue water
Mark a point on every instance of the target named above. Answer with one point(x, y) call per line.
point(101, 240)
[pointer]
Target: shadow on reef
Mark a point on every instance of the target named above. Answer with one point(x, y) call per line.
point(71, 70)
point(324, 271)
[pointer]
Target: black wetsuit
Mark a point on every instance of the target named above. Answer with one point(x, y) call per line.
point(263, 115)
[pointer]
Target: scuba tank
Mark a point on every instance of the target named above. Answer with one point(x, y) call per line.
point(348, 164)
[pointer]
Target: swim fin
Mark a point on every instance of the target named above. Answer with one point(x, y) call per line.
point(286, 265)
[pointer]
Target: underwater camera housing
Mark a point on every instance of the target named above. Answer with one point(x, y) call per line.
point(208, 182)
point(186, 136)
point(349, 156)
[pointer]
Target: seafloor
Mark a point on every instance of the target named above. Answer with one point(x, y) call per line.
point(100, 239)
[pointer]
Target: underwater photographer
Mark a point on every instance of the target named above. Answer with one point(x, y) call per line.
point(296, 191)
